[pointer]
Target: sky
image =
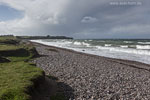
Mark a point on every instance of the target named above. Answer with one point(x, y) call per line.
point(76, 18)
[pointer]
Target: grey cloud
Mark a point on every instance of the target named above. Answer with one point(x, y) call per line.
point(81, 19)
point(89, 19)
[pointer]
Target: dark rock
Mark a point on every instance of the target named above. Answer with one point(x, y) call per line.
point(3, 60)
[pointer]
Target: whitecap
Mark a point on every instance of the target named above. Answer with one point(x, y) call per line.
point(127, 41)
point(144, 42)
point(124, 46)
point(145, 47)
point(77, 43)
point(107, 45)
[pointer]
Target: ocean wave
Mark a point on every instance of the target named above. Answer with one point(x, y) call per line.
point(107, 45)
point(62, 43)
point(90, 40)
point(81, 43)
point(125, 50)
point(86, 44)
point(127, 41)
point(77, 43)
point(144, 42)
point(145, 47)
point(67, 42)
point(101, 41)
point(107, 51)
point(124, 46)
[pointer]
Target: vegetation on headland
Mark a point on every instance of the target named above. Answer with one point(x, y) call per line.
point(43, 37)
point(16, 74)
point(11, 37)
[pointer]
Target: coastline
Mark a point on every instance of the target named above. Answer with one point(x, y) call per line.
point(91, 76)
point(131, 63)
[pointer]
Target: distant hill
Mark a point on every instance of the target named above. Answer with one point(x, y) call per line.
point(43, 37)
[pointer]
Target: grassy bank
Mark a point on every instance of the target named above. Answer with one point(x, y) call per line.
point(16, 74)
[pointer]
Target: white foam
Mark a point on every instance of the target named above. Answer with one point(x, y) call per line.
point(127, 41)
point(90, 40)
point(58, 43)
point(125, 50)
point(77, 43)
point(107, 45)
point(144, 42)
point(86, 44)
point(124, 46)
point(143, 47)
point(113, 52)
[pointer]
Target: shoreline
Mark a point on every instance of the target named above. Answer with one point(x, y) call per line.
point(121, 61)
point(87, 76)
point(127, 50)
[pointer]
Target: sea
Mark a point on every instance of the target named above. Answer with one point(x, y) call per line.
point(128, 49)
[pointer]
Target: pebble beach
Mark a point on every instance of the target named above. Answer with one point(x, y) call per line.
point(90, 77)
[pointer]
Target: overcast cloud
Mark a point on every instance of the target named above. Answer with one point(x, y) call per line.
point(79, 18)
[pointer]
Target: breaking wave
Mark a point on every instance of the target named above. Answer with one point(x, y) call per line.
point(105, 48)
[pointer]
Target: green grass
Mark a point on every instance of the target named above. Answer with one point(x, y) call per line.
point(10, 47)
point(9, 40)
point(4, 38)
point(18, 53)
point(16, 76)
